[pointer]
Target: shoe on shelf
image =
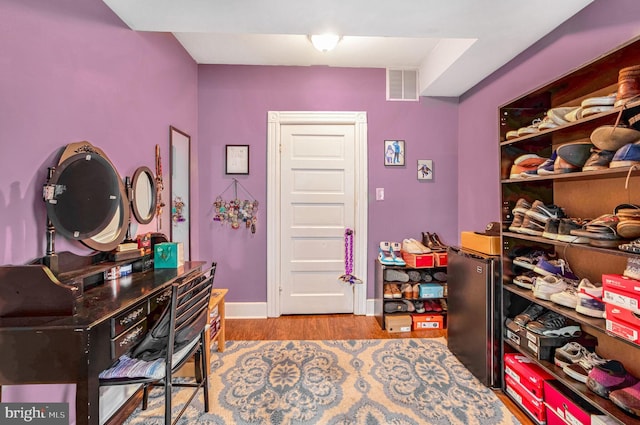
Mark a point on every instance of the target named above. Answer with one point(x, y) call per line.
point(633, 268)
point(395, 291)
point(568, 354)
point(531, 226)
point(519, 211)
point(567, 225)
point(590, 299)
point(391, 275)
point(435, 306)
point(426, 277)
point(544, 287)
point(414, 276)
point(387, 294)
point(551, 229)
point(385, 254)
point(525, 280)
point(440, 276)
point(532, 312)
point(397, 254)
point(599, 160)
point(443, 304)
point(412, 246)
point(551, 323)
point(416, 291)
point(558, 268)
point(542, 213)
point(529, 261)
point(566, 298)
point(410, 306)
point(546, 168)
point(580, 369)
point(407, 291)
point(419, 305)
point(608, 377)
point(628, 399)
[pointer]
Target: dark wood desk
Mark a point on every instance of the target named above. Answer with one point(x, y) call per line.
point(76, 348)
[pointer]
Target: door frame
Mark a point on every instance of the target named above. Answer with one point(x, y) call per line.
point(274, 274)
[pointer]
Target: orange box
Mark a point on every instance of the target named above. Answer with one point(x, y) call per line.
point(427, 321)
point(418, 260)
point(441, 259)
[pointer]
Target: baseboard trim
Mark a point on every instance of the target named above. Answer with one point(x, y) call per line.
point(259, 310)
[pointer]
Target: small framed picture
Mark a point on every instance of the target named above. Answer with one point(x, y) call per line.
point(237, 159)
point(425, 169)
point(394, 152)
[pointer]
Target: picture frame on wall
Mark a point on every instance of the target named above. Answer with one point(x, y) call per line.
point(236, 159)
point(394, 153)
point(425, 169)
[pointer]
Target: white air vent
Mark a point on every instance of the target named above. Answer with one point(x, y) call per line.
point(402, 84)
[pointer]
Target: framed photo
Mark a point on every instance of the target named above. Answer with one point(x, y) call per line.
point(394, 152)
point(425, 169)
point(237, 159)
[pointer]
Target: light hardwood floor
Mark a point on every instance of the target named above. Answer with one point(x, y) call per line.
point(334, 326)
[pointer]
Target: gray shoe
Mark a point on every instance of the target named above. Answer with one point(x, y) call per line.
point(414, 276)
point(391, 275)
point(426, 277)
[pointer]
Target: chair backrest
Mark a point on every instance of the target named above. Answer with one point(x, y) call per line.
point(183, 318)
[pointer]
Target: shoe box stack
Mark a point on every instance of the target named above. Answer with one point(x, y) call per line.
point(537, 345)
point(544, 398)
point(622, 302)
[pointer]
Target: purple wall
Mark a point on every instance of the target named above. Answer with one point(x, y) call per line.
point(598, 28)
point(233, 105)
point(72, 71)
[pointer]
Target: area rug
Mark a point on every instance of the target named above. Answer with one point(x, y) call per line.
point(404, 381)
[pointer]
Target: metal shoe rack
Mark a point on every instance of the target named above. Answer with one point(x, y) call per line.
point(581, 194)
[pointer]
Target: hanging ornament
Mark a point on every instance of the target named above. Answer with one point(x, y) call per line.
point(236, 211)
point(348, 276)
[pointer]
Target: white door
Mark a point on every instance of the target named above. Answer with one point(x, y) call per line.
point(318, 178)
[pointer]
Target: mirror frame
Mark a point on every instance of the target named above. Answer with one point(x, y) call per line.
point(143, 217)
point(180, 186)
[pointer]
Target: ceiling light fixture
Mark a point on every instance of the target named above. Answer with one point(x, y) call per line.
point(325, 42)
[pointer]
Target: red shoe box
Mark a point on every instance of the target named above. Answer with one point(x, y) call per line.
point(530, 375)
point(418, 261)
point(441, 259)
point(622, 292)
point(534, 406)
point(623, 322)
point(427, 321)
point(569, 408)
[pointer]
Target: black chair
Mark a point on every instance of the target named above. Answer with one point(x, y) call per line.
point(179, 330)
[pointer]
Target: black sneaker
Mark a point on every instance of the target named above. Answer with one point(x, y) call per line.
point(565, 228)
point(543, 213)
point(551, 229)
point(530, 313)
point(553, 324)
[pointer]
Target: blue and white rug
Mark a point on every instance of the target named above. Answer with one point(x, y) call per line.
point(373, 382)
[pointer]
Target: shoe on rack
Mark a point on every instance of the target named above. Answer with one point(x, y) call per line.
point(576, 153)
point(416, 291)
point(626, 156)
point(633, 268)
point(440, 276)
point(568, 354)
point(387, 294)
point(391, 275)
point(525, 280)
point(397, 254)
point(410, 306)
point(546, 168)
point(566, 298)
point(436, 306)
point(590, 299)
point(412, 246)
point(385, 254)
point(608, 377)
point(407, 291)
point(551, 229)
point(567, 225)
point(542, 213)
point(544, 287)
point(419, 305)
point(414, 276)
point(529, 260)
point(599, 160)
point(519, 211)
point(551, 323)
point(557, 267)
point(426, 277)
point(580, 369)
point(530, 313)
point(395, 291)
point(628, 399)
point(531, 226)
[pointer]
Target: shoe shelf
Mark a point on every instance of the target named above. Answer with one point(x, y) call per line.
point(602, 404)
point(564, 245)
point(581, 194)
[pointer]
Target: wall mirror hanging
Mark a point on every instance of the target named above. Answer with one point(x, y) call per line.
point(143, 195)
point(180, 189)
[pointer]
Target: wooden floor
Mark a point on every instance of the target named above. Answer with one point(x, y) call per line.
point(335, 326)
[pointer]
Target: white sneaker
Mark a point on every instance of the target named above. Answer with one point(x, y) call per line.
point(580, 370)
point(570, 353)
point(544, 287)
point(590, 299)
point(567, 298)
point(633, 268)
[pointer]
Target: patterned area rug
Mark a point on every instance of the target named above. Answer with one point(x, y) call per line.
point(397, 381)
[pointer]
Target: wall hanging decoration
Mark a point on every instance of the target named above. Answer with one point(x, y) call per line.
point(236, 213)
point(237, 159)
point(348, 276)
point(159, 187)
point(394, 152)
point(176, 210)
point(425, 169)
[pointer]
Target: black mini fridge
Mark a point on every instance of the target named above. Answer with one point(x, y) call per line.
point(473, 318)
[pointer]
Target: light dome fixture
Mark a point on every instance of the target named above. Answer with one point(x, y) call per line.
point(324, 42)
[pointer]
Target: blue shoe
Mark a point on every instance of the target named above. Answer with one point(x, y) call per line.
point(386, 255)
point(546, 167)
point(626, 156)
point(397, 255)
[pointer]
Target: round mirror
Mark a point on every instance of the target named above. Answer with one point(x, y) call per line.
point(86, 195)
point(143, 195)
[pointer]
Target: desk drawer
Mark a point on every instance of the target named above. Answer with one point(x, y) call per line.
point(128, 318)
point(128, 339)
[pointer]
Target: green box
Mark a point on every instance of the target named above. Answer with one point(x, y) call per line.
point(168, 255)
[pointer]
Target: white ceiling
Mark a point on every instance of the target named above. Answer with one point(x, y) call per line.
point(453, 43)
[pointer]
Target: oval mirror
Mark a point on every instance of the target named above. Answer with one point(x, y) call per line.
point(86, 195)
point(143, 195)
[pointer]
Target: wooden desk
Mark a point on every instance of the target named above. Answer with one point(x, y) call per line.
point(76, 348)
